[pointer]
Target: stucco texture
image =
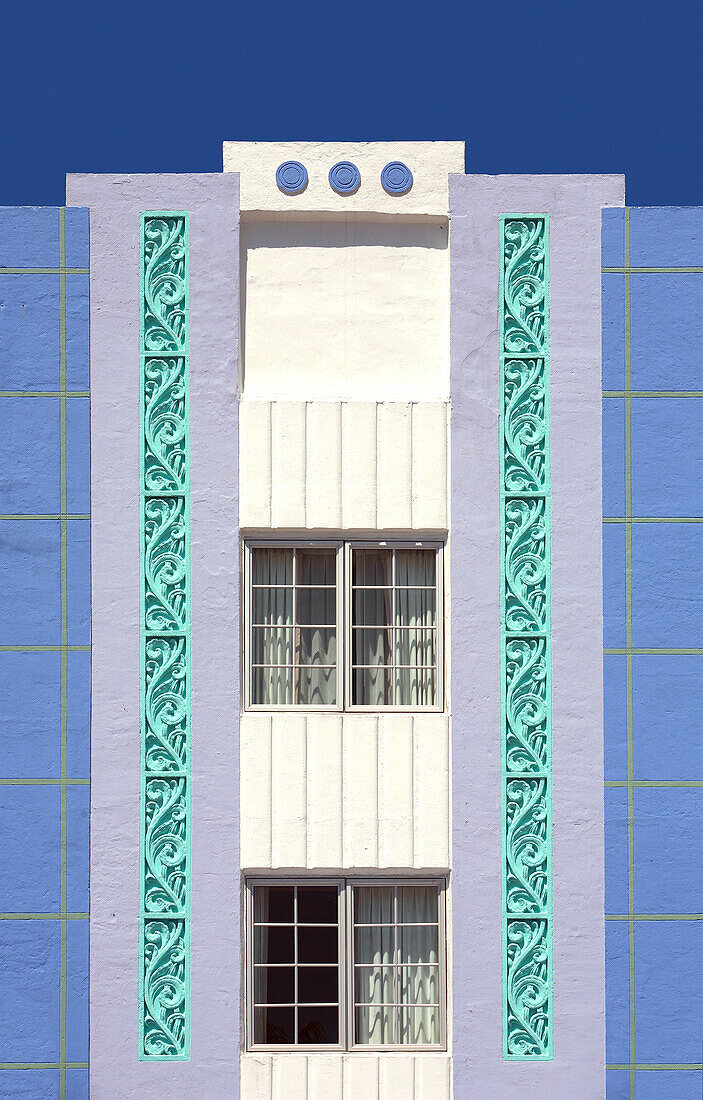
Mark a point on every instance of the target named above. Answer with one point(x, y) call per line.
point(115, 203)
point(574, 204)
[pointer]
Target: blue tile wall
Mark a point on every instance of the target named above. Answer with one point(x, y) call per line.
point(653, 601)
point(44, 654)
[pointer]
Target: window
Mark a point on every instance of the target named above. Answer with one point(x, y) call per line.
point(344, 625)
point(346, 963)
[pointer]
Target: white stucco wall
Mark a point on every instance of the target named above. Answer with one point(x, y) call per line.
point(346, 1077)
point(345, 308)
point(346, 791)
point(343, 465)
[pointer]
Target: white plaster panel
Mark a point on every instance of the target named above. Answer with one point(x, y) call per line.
point(346, 308)
point(429, 161)
point(352, 465)
point(344, 791)
point(346, 1077)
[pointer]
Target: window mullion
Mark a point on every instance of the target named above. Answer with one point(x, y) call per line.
point(295, 964)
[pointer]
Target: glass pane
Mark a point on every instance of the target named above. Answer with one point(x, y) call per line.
point(415, 607)
point(316, 646)
point(317, 945)
point(375, 1026)
point(418, 945)
point(414, 647)
point(374, 985)
point(318, 1026)
point(317, 567)
point(272, 645)
point(371, 646)
point(317, 904)
point(316, 687)
point(271, 566)
point(418, 904)
point(416, 567)
point(419, 1026)
point(274, 985)
point(372, 607)
point(373, 905)
point(374, 945)
point(272, 687)
point(273, 904)
point(418, 985)
point(274, 1025)
point(317, 606)
point(318, 985)
point(273, 944)
point(372, 687)
point(415, 687)
point(372, 567)
point(272, 605)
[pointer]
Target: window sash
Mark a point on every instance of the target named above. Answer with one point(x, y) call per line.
point(347, 966)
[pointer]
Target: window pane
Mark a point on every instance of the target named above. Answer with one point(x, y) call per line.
point(274, 985)
point(372, 687)
point(375, 1026)
point(273, 944)
point(415, 607)
point(418, 985)
point(317, 567)
point(271, 566)
point(374, 945)
point(416, 567)
point(419, 1026)
point(272, 687)
point(372, 567)
point(415, 687)
point(318, 904)
point(274, 1025)
point(418, 904)
point(371, 646)
point(373, 904)
point(272, 645)
point(273, 904)
point(414, 647)
point(317, 606)
point(272, 606)
point(316, 646)
point(316, 687)
point(317, 945)
point(318, 985)
point(318, 1025)
point(418, 944)
point(372, 607)
point(374, 985)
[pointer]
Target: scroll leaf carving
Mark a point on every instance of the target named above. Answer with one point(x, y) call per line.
point(164, 424)
point(525, 630)
point(164, 320)
point(528, 991)
point(165, 563)
point(164, 983)
point(165, 850)
point(166, 711)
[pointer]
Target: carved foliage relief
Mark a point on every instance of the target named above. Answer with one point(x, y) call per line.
point(526, 636)
point(165, 660)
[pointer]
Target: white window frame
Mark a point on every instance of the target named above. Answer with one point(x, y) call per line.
point(292, 544)
point(343, 548)
point(345, 885)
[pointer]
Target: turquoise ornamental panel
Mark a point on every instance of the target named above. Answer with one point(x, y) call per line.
point(164, 924)
point(526, 638)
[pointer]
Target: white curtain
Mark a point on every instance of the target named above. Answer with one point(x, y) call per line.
point(414, 616)
point(396, 956)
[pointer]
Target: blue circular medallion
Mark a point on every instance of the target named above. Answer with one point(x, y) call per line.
point(292, 177)
point(396, 178)
point(345, 178)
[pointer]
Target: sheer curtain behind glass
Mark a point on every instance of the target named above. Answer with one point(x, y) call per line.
point(396, 965)
point(394, 627)
point(293, 627)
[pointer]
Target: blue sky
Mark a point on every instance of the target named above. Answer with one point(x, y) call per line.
point(531, 87)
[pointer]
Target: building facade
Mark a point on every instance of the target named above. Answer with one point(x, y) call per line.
point(349, 520)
